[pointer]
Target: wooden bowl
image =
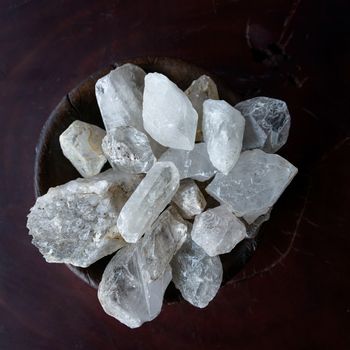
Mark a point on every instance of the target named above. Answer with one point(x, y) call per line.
point(53, 169)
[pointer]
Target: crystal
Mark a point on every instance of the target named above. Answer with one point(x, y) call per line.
point(223, 128)
point(168, 115)
point(124, 291)
point(254, 184)
point(119, 96)
point(128, 149)
point(189, 199)
point(218, 231)
point(267, 123)
point(75, 223)
point(194, 164)
point(197, 275)
point(200, 90)
point(148, 201)
point(254, 227)
point(81, 144)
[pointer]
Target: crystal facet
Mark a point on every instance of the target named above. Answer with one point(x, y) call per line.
point(223, 128)
point(148, 201)
point(128, 149)
point(194, 164)
point(75, 223)
point(267, 123)
point(168, 115)
point(218, 231)
point(254, 184)
point(81, 144)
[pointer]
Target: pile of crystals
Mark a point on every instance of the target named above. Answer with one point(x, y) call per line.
point(148, 209)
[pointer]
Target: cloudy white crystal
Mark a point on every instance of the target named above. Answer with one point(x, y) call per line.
point(148, 201)
point(267, 123)
point(223, 128)
point(254, 184)
point(168, 115)
point(75, 223)
point(81, 144)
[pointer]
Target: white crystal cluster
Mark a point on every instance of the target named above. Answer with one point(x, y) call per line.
point(149, 209)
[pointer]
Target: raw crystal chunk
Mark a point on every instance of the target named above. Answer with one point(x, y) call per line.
point(165, 238)
point(218, 231)
point(119, 96)
point(189, 199)
point(223, 128)
point(128, 149)
point(200, 90)
point(197, 275)
point(81, 144)
point(255, 183)
point(194, 164)
point(148, 201)
point(75, 223)
point(126, 294)
point(168, 115)
point(267, 123)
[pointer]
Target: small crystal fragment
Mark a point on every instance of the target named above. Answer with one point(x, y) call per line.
point(200, 90)
point(254, 184)
point(148, 201)
point(168, 115)
point(75, 223)
point(189, 199)
point(124, 291)
point(267, 123)
point(223, 128)
point(119, 96)
point(81, 144)
point(197, 275)
point(128, 149)
point(218, 231)
point(194, 164)
point(254, 227)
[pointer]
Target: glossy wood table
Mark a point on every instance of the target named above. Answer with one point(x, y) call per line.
point(294, 292)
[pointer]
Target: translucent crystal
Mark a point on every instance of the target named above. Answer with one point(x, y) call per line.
point(267, 123)
point(148, 201)
point(223, 128)
point(200, 90)
point(124, 291)
point(254, 184)
point(75, 223)
point(194, 164)
point(128, 149)
point(218, 231)
point(197, 275)
point(189, 199)
point(168, 115)
point(119, 96)
point(81, 144)
point(254, 227)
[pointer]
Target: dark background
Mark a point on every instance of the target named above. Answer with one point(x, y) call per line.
point(295, 292)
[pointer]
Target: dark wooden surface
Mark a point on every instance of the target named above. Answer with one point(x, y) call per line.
point(294, 293)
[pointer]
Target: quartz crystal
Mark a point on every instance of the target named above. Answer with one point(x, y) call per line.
point(128, 149)
point(223, 128)
point(254, 227)
point(81, 144)
point(197, 275)
point(267, 123)
point(124, 291)
point(189, 199)
point(148, 201)
point(194, 164)
point(168, 115)
point(75, 223)
point(200, 90)
point(254, 184)
point(119, 96)
point(218, 231)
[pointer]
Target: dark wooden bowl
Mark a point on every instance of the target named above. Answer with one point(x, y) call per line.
point(53, 169)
